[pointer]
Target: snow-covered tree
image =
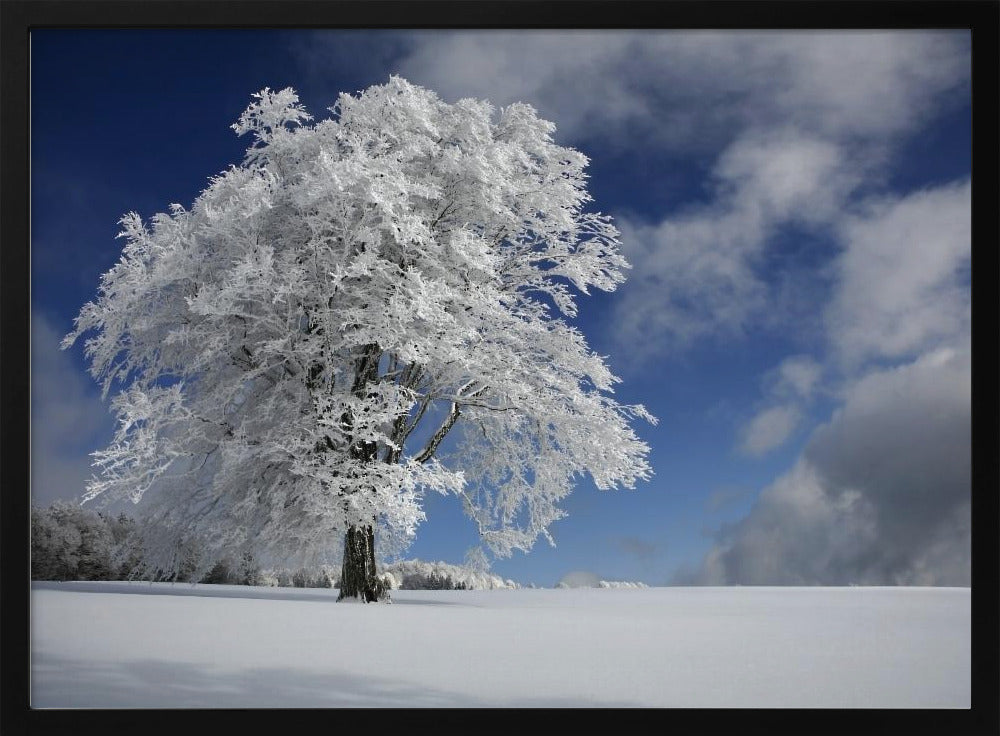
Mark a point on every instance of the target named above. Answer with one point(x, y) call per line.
point(292, 352)
point(71, 543)
point(422, 575)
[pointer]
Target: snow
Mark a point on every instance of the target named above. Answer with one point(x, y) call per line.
point(162, 645)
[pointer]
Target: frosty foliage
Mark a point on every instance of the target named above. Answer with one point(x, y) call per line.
point(422, 575)
point(584, 579)
point(290, 353)
point(324, 577)
point(621, 584)
point(69, 542)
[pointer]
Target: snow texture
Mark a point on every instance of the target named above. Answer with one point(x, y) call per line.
point(162, 645)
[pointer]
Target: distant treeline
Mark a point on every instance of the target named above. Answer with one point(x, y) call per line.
point(69, 542)
point(72, 543)
point(420, 575)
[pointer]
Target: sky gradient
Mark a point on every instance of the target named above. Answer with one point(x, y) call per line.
point(796, 207)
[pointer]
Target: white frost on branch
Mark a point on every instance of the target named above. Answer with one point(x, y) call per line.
point(397, 271)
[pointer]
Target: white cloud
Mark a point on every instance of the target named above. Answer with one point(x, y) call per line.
point(800, 118)
point(545, 69)
point(788, 389)
point(797, 376)
point(901, 289)
point(899, 284)
point(694, 88)
point(880, 496)
point(66, 417)
point(783, 175)
point(903, 275)
point(769, 429)
point(694, 274)
point(871, 83)
point(882, 492)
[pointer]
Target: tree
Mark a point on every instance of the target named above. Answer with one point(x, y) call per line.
point(248, 572)
point(55, 543)
point(71, 543)
point(127, 551)
point(293, 351)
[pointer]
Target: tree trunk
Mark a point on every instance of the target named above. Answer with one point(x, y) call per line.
point(357, 574)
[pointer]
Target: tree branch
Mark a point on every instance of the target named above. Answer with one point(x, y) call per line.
point(449, 421)
point(438, 437)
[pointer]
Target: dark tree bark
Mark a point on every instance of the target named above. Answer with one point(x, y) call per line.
point(358, 578)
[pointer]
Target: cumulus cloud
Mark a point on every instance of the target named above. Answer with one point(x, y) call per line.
point(696, 273)
point(692, 89)
point(903, 282)
point(797, 376)
point(788, 388)
point(797, 158)
point(769, 429)
point(66, 416)
point(880, 496)
point(898, 282)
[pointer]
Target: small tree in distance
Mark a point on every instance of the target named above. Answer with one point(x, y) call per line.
point(293, 351)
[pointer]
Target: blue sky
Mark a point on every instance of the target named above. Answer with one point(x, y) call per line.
point(796, 206)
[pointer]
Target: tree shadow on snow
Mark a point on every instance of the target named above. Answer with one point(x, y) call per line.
point(58, 682)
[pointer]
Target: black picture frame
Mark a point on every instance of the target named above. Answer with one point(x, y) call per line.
point(19, 17)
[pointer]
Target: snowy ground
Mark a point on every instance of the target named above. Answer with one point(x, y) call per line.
point(123, 645)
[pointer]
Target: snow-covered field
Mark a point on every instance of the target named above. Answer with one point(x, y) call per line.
point(122, 645)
